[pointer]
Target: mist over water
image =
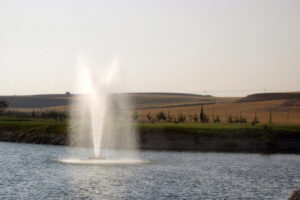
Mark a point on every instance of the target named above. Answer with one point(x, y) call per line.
point(100, 120)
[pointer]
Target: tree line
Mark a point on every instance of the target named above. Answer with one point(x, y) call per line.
point(201, 117)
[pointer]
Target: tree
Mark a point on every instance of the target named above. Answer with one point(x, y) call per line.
point(181, 118)
point(195, 118)
point(3, 106)
point(149, 116)
point(161, 116)
point(203, 116)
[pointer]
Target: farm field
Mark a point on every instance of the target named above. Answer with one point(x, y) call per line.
point(279, 108)
point(262, 110)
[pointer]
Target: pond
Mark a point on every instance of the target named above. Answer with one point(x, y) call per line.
point(30, 171)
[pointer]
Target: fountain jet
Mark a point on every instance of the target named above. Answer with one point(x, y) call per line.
point(99, 119)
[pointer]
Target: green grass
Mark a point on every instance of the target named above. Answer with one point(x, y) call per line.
point(222, 130)
point(53, 126)
point(217, 126)
point(32, 125)
point(199, 125)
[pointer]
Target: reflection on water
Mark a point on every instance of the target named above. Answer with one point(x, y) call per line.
point(31, 172)
point(104, 161)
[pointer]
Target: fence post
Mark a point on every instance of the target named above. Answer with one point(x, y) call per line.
point(270, 118)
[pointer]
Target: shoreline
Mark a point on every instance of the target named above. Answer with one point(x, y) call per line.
point(174, 137)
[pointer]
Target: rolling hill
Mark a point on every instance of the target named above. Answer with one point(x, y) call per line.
point(270, 96)
point(138, 100)
point(283, 107)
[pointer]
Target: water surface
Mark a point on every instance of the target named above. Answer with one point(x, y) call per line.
point(30, 171)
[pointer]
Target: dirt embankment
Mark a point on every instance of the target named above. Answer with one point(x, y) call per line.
point(35, 138)
point(244, 141)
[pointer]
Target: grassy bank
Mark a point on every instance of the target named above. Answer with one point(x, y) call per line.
point(220, 137)
point(208, 129)
point(168, 136)
point(42, 126)
point(59, 127)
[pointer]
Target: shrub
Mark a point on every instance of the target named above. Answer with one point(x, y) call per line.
point(169, 117)
point(243, 120)
point(3, 106)
point(217, 119)
point(161, 116)
point(269, 136)
point(255, 120)
point(230, 119)
point(195, 118)
point(236, 120)
point(181, 118)
point(239, 120)
point(149, 116)
point(54, 115)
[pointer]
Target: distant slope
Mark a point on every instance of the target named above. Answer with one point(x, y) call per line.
point(269, 96)
point(35, 101)
point(169, 94)
point(285, 107)
point(138, 100)
point(157, 100)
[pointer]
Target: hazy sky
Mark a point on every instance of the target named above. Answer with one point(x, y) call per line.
point(231, 47)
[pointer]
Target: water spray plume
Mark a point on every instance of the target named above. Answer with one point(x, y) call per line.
point(98, 119)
